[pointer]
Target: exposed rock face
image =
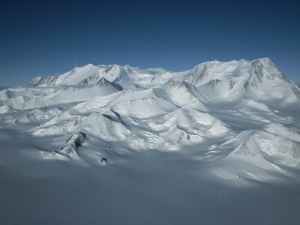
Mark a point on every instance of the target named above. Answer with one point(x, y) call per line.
point(72, 143)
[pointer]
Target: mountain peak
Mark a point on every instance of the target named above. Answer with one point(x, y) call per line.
point(35, 81)
point(213, 110)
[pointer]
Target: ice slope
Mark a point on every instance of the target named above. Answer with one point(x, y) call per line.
point(217, 111)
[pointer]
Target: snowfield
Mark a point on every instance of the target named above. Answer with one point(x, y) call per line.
point(217, 144)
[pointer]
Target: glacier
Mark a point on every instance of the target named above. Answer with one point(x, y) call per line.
point(125, 145)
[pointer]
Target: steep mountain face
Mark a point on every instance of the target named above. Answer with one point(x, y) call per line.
point(237, 110)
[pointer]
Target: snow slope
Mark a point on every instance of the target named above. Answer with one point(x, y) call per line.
point(200, 109)
point(232, 126)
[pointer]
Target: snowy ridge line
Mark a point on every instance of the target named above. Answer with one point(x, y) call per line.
point(241, 110)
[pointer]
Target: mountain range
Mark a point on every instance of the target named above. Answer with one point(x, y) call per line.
point(111, 144)
point(242, 110)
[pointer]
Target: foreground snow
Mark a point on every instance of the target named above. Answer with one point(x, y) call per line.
point(148, 187)
point(217, 144)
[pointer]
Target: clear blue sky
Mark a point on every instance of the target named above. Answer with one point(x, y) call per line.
point(40, 37)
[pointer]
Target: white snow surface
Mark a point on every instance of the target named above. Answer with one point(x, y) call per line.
point(217, 144)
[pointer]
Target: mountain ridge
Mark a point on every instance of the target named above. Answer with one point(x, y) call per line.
point(202, 111)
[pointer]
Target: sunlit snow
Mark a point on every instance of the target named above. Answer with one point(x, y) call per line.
point(217, 144)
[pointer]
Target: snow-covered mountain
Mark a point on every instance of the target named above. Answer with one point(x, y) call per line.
point(217, 144)
point(246, 110)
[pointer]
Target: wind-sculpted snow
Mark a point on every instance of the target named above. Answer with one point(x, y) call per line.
point(218, 110)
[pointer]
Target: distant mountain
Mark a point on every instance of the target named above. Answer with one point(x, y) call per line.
point(237, 110)
point(3, 87)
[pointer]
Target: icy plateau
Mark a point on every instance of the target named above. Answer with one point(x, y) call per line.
point(243, 112)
